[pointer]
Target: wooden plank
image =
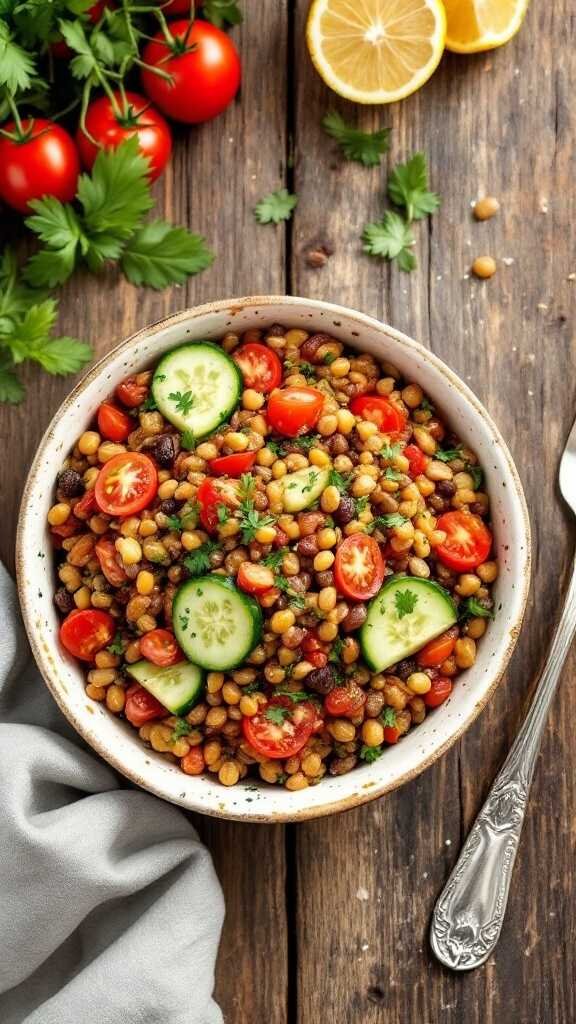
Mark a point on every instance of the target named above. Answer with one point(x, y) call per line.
point(501, 124)
point(219, 172)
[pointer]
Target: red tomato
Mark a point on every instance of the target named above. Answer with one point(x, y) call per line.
point(418, 461)
point(391, 734)
point(468, 540)
point(388, 418)
point(131, 393)
point(126, 484)
point(213, 492)
point(176, 7)
point(284, 737)
point(84, 633)
point(259, 366)
point(254, 579)
point(359, 567)
point(109, 130)
point(205, 69)
point(311, 643)
point(233, 465)
point(438, 650)
point(114, 424)
point(84, 508)
point(193, 762)
point(67, 529)
point(293, 411)
point(159, 646)
point(43, 163)
point(141, 706)
point(109, 564)
point(345, 700)
point(440, 690)
point(318, 659)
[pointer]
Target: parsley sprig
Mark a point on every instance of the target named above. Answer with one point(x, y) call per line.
point(275, 207)
point(405, 601)
point(391, 238)
point(363, 147)
point(198, 562)
point(408, 188)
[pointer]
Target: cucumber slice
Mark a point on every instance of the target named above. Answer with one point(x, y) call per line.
point(177, 687)
point(207, 382)
point(302, 488)
point(215, 624)
point(405, 614)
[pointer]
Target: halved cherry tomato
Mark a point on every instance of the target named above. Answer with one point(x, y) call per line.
point(233, 465)
point(388, 417)
point(441, 689)
point(438, 650)
point(259, 366)
point(293, 411)
point(418, 461)
point(213, 492)
point(160, 647)
point(254, 579)
point(109, 564)
point(193, 762)
point(85, 632)
point(141, 706)
point(359, 567)
point(311, 643)
point(126, 484)
point(391, 734)
point(84, 508)
point(67, 529)
point(114, 424)
point(286, 736)
point(468, 540)
point(345, 700)
point(131, 393)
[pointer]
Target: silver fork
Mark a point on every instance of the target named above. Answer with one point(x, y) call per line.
point(469, 914)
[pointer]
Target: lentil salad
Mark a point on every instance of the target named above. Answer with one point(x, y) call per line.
point(329, 505)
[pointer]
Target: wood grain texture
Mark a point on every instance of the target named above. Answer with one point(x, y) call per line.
point(334, 926)
point(498, 124)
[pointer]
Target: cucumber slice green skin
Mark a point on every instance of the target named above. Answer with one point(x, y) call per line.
point(386, 639)
point(178, 687)
point(212, 377)
point(303, 487)
point(216, 625)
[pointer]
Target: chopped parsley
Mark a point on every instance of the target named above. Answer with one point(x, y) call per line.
point(181, 728)
point(173, 522)
point(473, 608)
point(339, 481)
point(276, 714)
point(312, 478)
point(477, 476)
point(274, 559)
point(183, 402)
point(116, 647)
point(247, 485)
point(370, 754)
point(283, 584)
point(405, 601)
point(387, 522)
point(390, 452)
point(392, 474)
point(250, 521)
point(295, 695)
point(329, 358)
point(306, 369)
point(449, 454)
point(388, 718)
point(336, 651)
point(198, 562)
point(223, 513)
point(426, 405)
point(306, 441)
point(148, 405)
point(361, 504)
point(187, 440)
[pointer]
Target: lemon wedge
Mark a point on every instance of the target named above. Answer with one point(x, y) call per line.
point(475, 25)
point(376, 51)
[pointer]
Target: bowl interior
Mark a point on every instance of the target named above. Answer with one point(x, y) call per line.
point(118, 742)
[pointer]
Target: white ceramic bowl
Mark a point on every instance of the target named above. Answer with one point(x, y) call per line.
point(116, 741)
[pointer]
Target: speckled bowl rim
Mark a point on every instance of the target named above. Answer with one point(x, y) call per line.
point(369, 791)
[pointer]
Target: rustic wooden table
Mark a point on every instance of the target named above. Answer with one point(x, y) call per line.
point(300, 946)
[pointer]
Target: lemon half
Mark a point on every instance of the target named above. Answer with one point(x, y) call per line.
point(475, 25)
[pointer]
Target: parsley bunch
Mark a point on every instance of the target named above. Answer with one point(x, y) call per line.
point(392, 238)
point(106, 223)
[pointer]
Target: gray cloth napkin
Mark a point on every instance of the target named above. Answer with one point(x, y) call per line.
point(110, 910)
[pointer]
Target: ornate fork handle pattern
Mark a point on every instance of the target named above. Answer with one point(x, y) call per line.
point(469, 914)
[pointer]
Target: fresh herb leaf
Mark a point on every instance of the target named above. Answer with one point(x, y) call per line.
point(306, 369)
point(388, 718)
point(408, 187)
point(198, 562)
point(159, 254)
point(389, 521)
point(449, 454)
point(116, 195)
point(251, 520)
point(16, 64)
point(276, 714)
point(181, 728)
point(392, 474)
point(370, 754)
point(149, 404)
point(173, 522)
point(187, 440)
point(274, 559)
point(223, 513)
point(405, 601)
point(312, 478)
point(361, 504)
point(473, 608)
point(247, 486)
point(364, 147)
point(116, 647)
point(342, 483)
point(329, 358)
point(305, 442)
point(183, 402)
point(336, 650)
point(477, 476)
point(283, 583)
point(222, 12)
point(391, 239)
point(426, 405)
point(296, 696)
point(390, 452)
point(275, 207)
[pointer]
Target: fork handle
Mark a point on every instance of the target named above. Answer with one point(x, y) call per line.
point(469, 914)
